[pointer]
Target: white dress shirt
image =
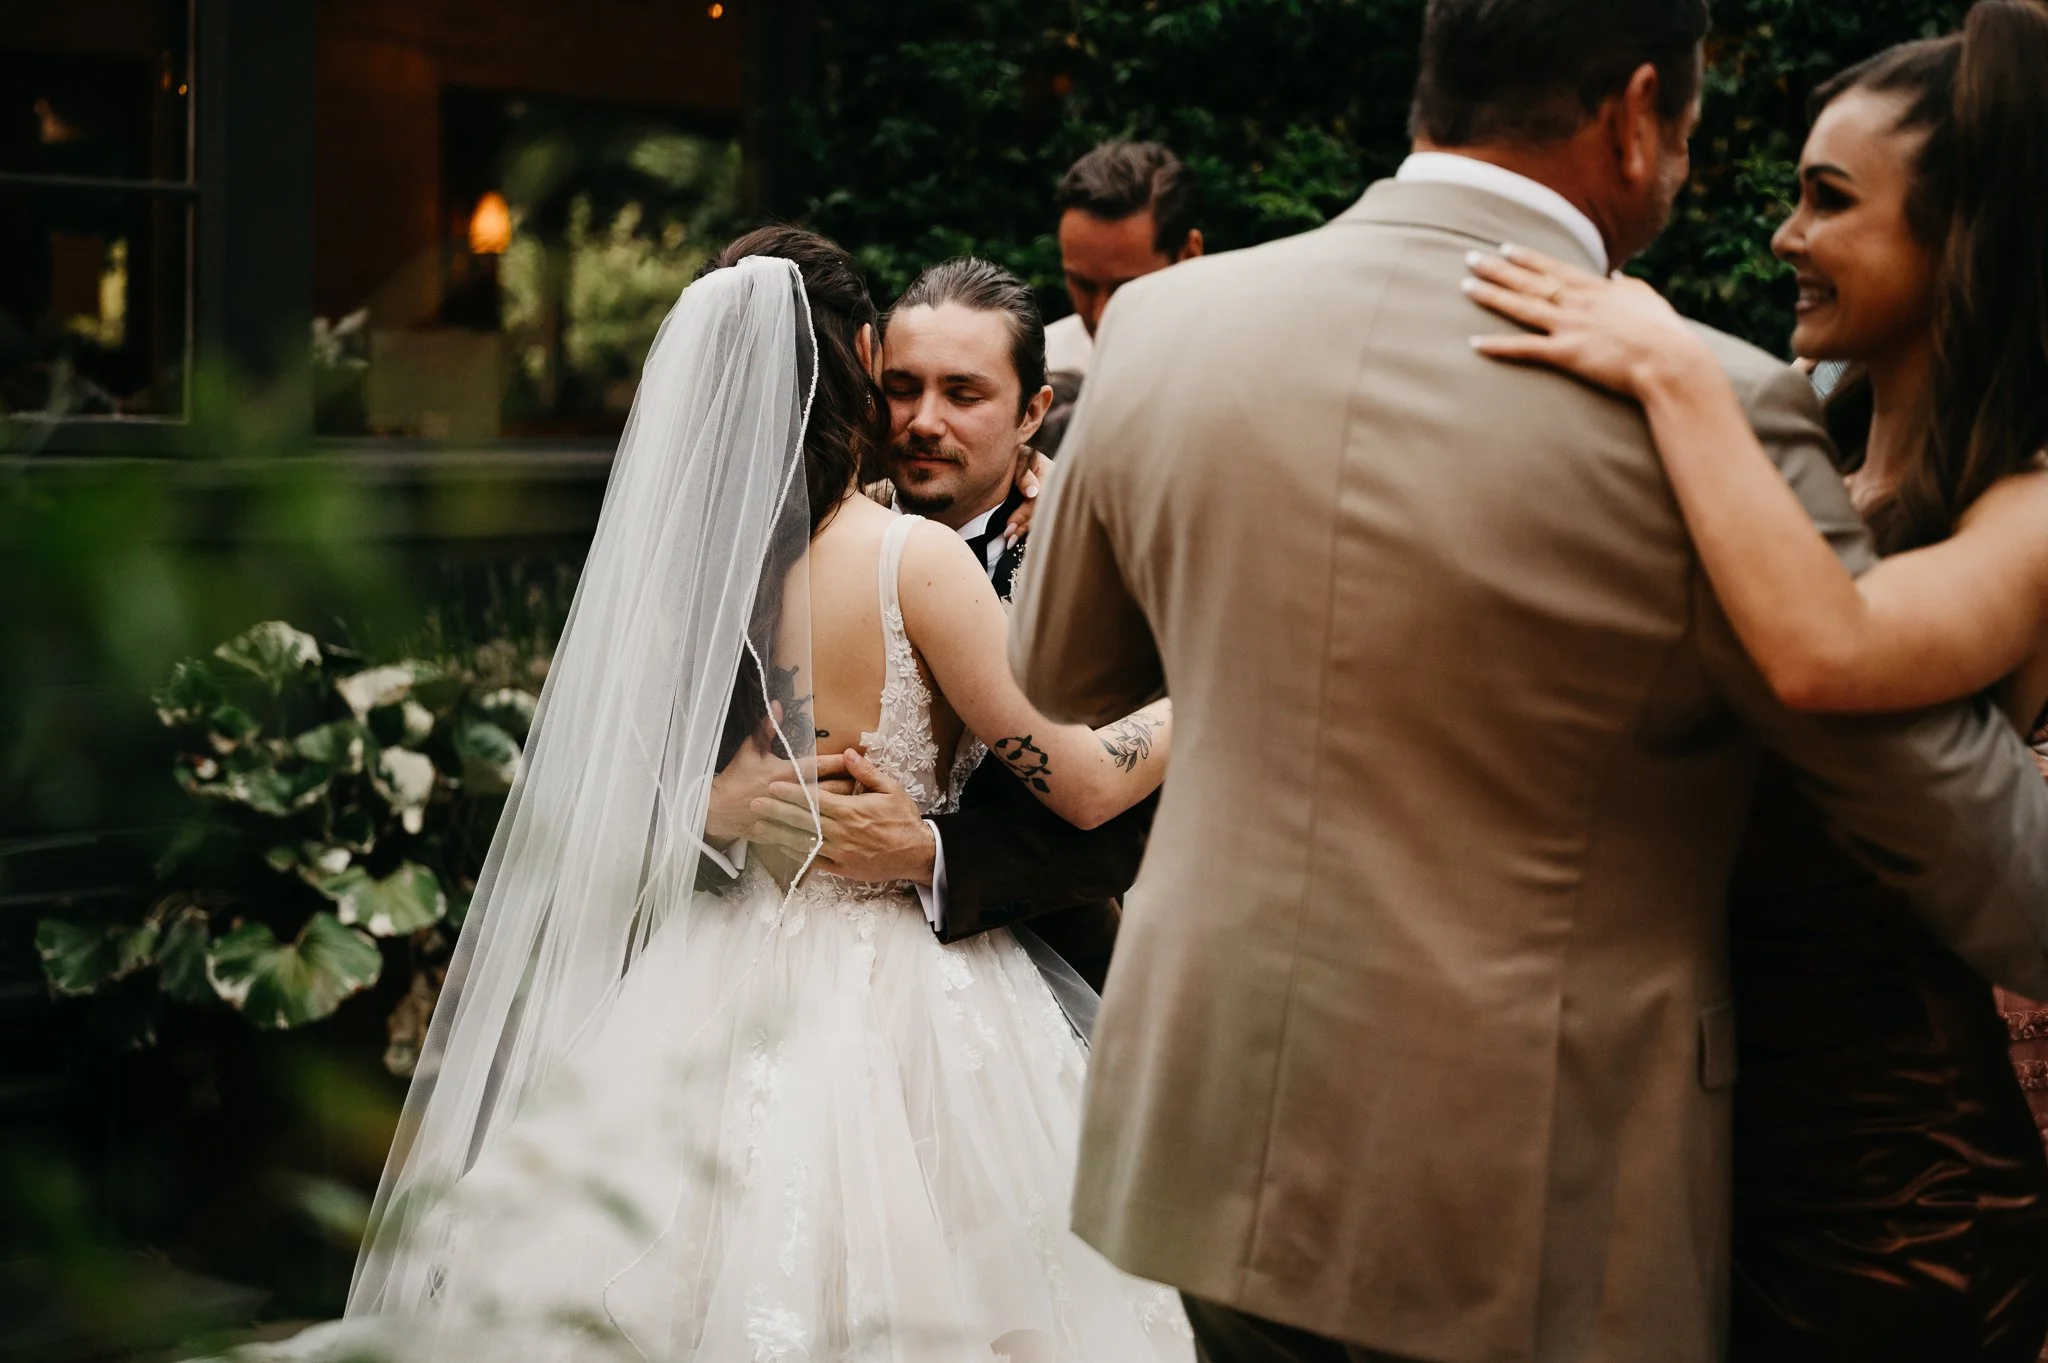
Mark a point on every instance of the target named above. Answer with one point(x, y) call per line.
point(1449, 168)
point(1068, 346)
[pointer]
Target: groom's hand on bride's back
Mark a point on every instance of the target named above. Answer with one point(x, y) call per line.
point(873, 830)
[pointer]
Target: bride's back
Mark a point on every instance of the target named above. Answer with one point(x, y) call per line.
point(847, 643)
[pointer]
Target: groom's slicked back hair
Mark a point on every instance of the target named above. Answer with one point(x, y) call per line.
point(984, 286)
point(1533, 71)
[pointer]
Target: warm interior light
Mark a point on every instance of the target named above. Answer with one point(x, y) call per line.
point(490, 227)
point(718, 11)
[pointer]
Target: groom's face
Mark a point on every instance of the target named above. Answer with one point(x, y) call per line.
point(956, 433)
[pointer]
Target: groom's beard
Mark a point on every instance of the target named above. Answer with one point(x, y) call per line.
point(926, 491)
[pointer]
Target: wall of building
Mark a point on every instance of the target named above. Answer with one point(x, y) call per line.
point(381, 66)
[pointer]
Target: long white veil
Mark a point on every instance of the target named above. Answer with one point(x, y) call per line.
point(689, 623)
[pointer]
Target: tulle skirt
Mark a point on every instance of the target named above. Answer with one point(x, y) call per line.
point(803, 1130)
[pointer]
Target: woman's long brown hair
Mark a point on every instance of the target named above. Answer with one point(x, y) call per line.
point(1979, 198)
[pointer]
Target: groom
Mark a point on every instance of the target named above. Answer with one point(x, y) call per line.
point(963, 369)
point(1420, 1038)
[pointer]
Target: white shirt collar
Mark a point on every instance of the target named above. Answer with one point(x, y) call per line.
point(979, 525)
point(1442, 167)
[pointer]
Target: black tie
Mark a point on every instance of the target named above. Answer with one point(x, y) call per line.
point(998, 521)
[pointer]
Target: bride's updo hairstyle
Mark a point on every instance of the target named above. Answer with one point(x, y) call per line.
point(1979, 200)
point(849, 422)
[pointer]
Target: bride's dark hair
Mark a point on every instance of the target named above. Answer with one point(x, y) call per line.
point(849, 419)
point(1981, 97)
point(848, 427)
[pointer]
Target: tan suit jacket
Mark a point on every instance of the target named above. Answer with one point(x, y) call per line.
point(1419, 1033)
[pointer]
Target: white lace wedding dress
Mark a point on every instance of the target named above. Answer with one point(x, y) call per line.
point(803, 1130)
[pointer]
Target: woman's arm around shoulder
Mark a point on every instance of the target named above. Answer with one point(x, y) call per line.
point(1920, 628)
point(958, 625)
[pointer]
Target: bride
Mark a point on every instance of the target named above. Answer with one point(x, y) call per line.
point(780, 1121)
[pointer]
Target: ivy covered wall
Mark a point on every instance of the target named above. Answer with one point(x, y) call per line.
point(935, 127)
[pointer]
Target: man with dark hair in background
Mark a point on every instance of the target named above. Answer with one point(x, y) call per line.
point(1420, 1039)
point(1127, 209)
point(963, 369)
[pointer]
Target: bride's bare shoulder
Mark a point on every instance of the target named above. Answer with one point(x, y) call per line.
point(2019, 499)
point(934, 556)
point(941, 586)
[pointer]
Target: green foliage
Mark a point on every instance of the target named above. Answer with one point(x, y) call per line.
point(344, 810)
point(278, 985)
point(937, 128)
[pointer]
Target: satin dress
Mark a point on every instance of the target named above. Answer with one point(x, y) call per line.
point(1891, 1189)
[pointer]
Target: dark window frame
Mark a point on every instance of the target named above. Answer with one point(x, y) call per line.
point(248, 187)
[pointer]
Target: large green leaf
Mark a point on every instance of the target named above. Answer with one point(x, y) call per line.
point(80, 958)
point(510, 709)
point(279, 985)
point(402, 903)
point(273, 652)
point(269, 790)
point(229, 727)
point(401, 724)
point(406, 781)
point(337, 746)
point(376, 687)
point(181, 956)
point(491, 759)
point(189, 696)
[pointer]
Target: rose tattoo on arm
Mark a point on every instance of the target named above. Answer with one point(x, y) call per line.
point(1029, 761)
point(1129, 741)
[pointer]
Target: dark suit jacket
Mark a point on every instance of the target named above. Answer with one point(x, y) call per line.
point(1010, 860)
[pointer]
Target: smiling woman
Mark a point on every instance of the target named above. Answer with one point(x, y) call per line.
point(1865, 272)
point(1892, 1193)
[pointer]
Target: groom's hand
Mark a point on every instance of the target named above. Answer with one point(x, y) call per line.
point(876, 833)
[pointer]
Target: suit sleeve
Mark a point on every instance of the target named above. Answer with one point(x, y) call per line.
point(1011, 860)
point(1945, 804)
point(1079, 642)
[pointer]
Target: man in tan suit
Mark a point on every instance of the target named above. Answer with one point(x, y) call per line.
point(1418, 1042)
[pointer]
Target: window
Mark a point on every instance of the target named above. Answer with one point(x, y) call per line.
point(98, 199)
point(568, 228)
point(499, 226)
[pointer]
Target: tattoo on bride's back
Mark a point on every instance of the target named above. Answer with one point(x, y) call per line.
point(1024, 757)
point(1129, 741)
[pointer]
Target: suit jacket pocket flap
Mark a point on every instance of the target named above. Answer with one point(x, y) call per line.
point(1717, 1045)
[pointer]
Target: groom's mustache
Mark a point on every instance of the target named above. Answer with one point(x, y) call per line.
point(931, 451)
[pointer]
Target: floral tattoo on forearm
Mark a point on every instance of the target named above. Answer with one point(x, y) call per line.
point(1029, 761)
point(1129, 741)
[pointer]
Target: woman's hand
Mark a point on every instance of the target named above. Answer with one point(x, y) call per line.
point(1618, 333)
point(753, 769)
point(1030, 482)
